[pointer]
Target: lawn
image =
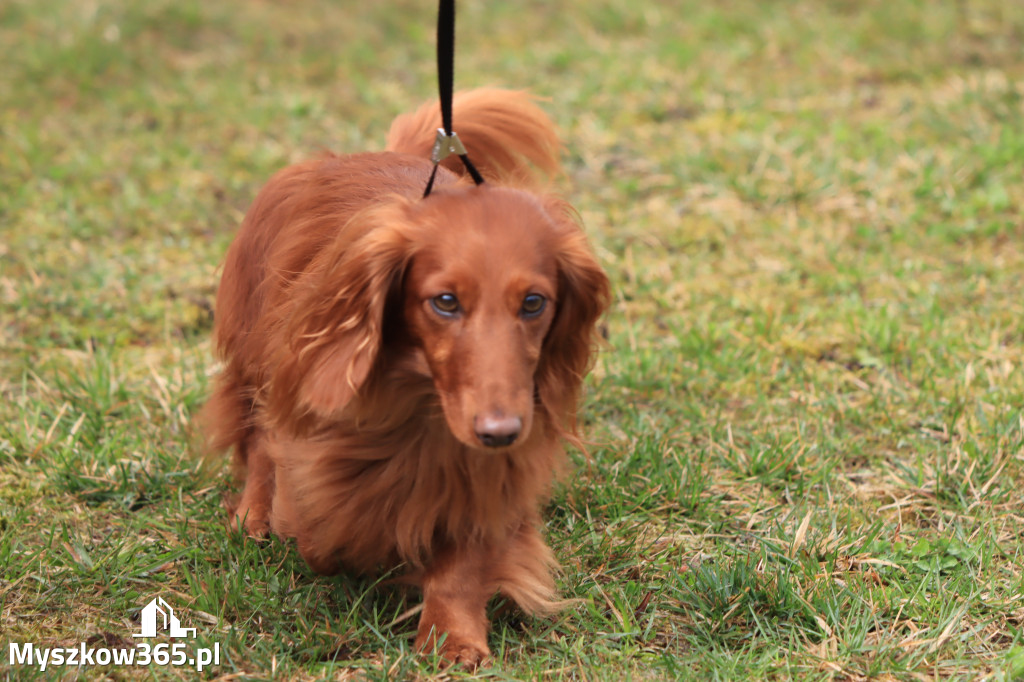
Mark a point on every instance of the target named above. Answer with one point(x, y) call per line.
point(806, 428)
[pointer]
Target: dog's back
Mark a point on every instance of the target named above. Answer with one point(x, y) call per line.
point(507, 136)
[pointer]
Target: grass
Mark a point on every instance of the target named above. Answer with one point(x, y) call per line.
point(808, 457)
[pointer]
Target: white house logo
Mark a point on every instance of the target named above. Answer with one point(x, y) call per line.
point(158, 615)
point(156, 618)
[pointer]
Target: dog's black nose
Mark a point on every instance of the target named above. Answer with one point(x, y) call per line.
point(497, 432)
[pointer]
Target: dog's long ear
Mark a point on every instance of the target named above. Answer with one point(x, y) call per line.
point(329, 343)
point(584, 294)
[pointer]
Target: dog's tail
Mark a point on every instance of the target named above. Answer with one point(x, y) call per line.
point(506, 135)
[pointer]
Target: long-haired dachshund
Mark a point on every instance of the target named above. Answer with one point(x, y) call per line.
point(400, 372)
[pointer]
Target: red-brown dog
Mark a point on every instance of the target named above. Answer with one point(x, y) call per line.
point(400, 371)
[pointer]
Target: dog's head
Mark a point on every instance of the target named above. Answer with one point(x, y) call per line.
point(495, 288)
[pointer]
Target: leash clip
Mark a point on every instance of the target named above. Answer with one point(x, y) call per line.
point(445, 145)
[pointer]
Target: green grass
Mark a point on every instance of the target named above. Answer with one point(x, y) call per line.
point(807, 426)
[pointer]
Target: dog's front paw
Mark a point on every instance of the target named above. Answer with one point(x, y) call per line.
point(454, 650)
point(468, 656)
point(253, 523)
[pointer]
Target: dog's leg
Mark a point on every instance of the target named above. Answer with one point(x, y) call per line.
point(454, 618)
point(253, 510)
point(522, 571)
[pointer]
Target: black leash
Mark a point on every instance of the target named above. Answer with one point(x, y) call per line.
point(447, 141)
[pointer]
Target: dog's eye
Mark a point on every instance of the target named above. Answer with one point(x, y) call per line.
point(445, 304)
point(533, 305)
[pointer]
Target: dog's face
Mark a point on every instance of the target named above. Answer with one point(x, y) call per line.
point(479, 299)
point(494, 289)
